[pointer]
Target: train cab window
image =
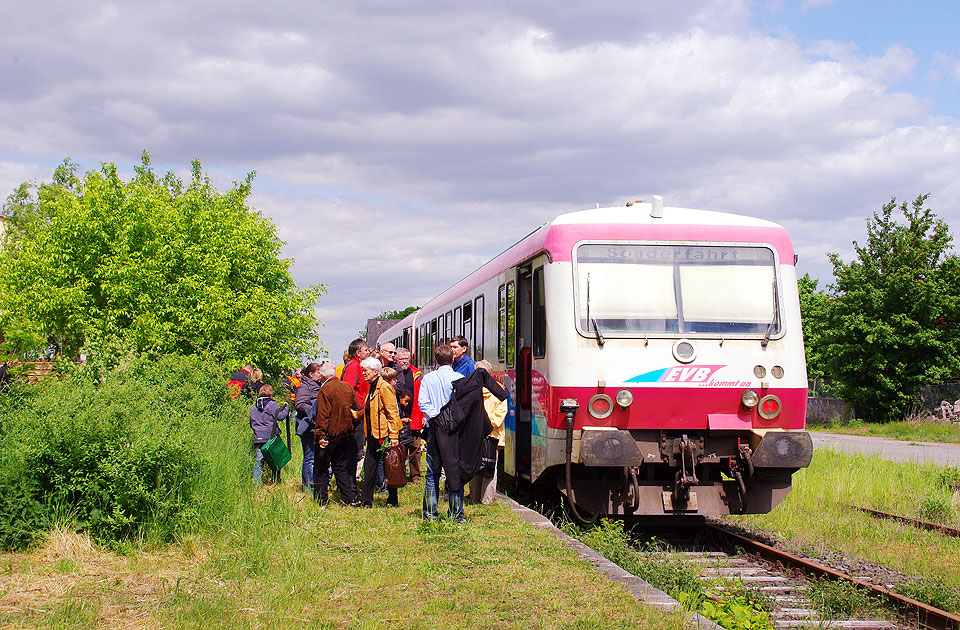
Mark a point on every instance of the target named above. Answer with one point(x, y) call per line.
point(502, 323)
point(638, 289)
point(457, 323)
point(539, 307)
point(478, 328)
point(511, 321)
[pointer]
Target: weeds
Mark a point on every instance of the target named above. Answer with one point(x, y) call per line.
point(731, 612)
point(936, 510)
point(932, 592)
point(839, 598)
point(948, 478)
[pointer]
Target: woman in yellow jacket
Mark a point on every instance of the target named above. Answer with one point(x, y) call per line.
point(381, 423)
point(482, 488)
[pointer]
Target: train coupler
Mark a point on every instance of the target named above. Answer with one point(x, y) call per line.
point(686, 455)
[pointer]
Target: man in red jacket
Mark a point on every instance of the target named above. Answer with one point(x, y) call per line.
point(238, 379)
point(353, 376)
point(408, 379)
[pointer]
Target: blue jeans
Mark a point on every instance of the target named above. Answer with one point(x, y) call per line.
point(258, 466)
point(431, 490)
point(257, 463)
point(306, 440)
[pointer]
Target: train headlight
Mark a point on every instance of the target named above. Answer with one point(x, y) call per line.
point(624, 398)
point(750, 399)
point(600, 406)
point(759, 371)
point(684, 351)
point(776, 371)
point(770, 407)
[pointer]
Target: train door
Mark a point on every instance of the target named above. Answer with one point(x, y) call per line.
point(530, 418)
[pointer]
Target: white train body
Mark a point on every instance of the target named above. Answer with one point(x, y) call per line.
point(663, 345)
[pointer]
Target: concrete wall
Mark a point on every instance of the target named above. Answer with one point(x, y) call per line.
point(823, 409)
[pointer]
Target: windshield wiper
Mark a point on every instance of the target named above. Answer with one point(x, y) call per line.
point(776, 317)
point(596, 328)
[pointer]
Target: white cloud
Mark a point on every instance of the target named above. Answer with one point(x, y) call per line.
point(398, 146)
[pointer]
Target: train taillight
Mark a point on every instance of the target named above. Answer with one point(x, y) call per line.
point(770, 407)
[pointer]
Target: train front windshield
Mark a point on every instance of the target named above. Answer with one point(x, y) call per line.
point(640, 289)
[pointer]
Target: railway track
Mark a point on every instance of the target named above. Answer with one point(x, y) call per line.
point(792, 605)
point(786, 579)
point(917, 613)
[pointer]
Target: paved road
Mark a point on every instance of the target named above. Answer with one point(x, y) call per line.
point(893, 450)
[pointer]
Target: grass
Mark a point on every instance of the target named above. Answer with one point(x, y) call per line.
point(905, 430)
point(816, 519)
point(279, 559)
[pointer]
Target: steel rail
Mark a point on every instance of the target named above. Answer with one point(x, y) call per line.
point(943, 529)
point(927, 616)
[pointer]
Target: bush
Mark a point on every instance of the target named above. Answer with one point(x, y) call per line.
point(128, 456)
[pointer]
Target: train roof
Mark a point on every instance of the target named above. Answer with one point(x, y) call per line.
point(634, 222)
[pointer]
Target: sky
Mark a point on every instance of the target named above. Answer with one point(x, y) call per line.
point(398, 145)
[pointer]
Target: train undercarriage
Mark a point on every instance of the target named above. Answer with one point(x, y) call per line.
point(621, 473)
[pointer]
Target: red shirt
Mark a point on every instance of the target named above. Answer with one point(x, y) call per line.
point(353, 376)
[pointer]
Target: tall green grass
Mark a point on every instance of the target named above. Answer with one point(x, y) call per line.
point(147, 453)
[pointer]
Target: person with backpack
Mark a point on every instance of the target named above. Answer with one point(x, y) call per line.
point(265, 414)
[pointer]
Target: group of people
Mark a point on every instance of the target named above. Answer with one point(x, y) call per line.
point(351, 418)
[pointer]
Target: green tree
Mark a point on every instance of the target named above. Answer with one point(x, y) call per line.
point(152, 265)
point(813, 310)
point(893, 326)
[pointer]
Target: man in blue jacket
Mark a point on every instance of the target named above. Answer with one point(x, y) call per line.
point(462, 363)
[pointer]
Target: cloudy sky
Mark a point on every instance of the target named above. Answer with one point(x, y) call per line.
point(398, 144)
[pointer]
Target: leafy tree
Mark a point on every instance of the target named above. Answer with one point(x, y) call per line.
point(152, 265)
point(813, 309)
point(893, 327)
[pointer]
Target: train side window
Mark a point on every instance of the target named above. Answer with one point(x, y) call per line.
point(478, 328)
point(539, 315)
point(502, 323)
point(511, 321)
point(433, 336)
point(448, 326)
point(457, 324)
point(421, 353)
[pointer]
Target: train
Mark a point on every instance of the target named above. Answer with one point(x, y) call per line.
point(653, 356)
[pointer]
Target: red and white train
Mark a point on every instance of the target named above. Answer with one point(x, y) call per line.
point(653, 356)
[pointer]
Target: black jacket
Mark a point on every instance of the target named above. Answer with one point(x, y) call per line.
point(460, 445)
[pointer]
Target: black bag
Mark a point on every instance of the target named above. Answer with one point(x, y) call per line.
point(406, 436)
point(488, 456)
point(450, 418)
